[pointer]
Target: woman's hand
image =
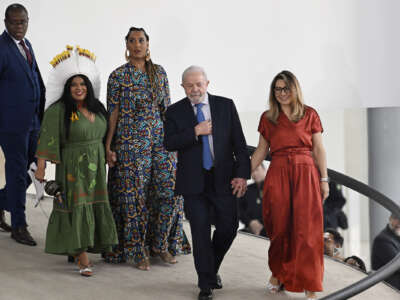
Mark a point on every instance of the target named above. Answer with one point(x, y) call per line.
point(39, 174)
point(324, 190)
point(111, 157)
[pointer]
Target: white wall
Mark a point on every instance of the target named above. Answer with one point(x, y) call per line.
point(343, 51)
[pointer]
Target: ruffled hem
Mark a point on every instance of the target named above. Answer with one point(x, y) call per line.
point(87, 227)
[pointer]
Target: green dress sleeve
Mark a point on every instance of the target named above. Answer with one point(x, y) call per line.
point(50, 134)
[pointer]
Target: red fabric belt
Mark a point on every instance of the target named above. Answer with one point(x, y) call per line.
point(292, 156)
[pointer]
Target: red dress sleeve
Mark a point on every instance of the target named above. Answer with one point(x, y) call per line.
point(316, 125)
point(263, 127)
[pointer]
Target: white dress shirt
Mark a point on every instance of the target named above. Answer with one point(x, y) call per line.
point(207, 116)
point(19, 46)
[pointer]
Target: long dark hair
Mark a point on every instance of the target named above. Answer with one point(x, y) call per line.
point(91, 102)
point(149, 66)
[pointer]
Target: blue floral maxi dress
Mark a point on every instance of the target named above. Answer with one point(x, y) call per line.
point(141, 185)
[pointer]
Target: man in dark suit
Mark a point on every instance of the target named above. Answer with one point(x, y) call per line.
point(21, 109)
point(385, 247)
point(213, 165)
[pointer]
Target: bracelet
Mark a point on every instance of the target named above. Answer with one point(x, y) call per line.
point(324, 179)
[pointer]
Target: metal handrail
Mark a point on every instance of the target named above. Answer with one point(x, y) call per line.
point(375, 276)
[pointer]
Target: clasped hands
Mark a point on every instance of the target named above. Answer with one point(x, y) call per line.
point(239, 186)
point(111, 157)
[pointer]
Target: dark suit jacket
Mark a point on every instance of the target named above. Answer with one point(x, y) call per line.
point(334, 216)
point(250, 205)
point(385, 247)
point(17, 105)
point(231, 158)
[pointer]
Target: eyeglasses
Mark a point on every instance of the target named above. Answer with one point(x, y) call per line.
point(16, 23)
point(279, 90)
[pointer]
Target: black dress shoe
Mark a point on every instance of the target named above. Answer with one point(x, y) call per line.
point(218, 285)
point(205, 294)
point(21, 235)
point(3, 224)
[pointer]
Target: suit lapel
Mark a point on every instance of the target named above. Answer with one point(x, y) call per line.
point(14, 49)
point(215, 122)
point(189, 112)
point(33, 54)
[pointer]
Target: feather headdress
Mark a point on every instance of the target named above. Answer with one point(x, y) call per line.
point(67, 64)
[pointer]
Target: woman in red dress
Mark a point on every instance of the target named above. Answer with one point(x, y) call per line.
point(294, 188)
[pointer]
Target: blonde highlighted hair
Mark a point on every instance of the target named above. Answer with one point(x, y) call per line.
point(297, 104)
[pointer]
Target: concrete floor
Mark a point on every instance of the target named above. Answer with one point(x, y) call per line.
point(29, 273)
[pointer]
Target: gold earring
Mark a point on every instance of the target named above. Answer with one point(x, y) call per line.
point(147, 55)
point(127, 54)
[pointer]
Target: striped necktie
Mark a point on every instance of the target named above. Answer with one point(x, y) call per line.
point(27, 52)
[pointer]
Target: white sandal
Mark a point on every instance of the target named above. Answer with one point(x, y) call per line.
point(274, 289)
point(85, 270)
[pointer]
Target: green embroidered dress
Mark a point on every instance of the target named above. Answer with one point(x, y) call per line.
point(83, 220)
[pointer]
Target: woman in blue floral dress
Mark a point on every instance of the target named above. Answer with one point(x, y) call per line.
point(141, 182)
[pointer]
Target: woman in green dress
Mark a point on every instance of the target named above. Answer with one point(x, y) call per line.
point(71, 136)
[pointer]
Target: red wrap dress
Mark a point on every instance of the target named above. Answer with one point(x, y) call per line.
point(292, 203)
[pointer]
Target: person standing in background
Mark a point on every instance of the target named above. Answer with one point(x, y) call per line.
point(334, 215)
point(385, 247)
point(22, 99)
point(250, 205)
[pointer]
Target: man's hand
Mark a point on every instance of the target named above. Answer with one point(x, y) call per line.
point(111, 158)
point(203, 128)
point(239, 186)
